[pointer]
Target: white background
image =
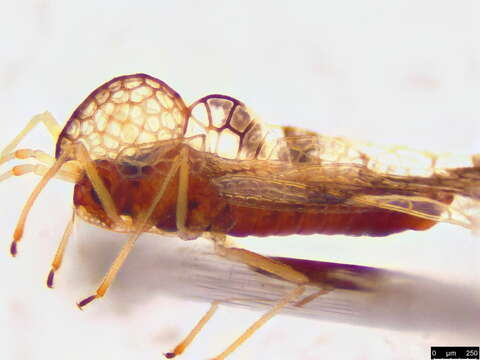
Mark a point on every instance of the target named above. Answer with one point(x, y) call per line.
point(392, 72)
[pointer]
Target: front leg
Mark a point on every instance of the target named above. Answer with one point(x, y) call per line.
point(140, 226)
point(46, 119)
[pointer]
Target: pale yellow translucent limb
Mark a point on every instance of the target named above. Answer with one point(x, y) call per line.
point(291, 296)
point(70, 170)
point(312, 297)
point(46, 118)
point(40, 170)
point(50, 173)
point(57, 260)
point(180, 348)
point(21, 154)
point(140, 226)
point(182, 198)
point(105, 198)
point(257, 261)
point(264, 263)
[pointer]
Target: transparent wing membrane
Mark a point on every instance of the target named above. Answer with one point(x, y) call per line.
point(307, 147)
point(334, 187)
point(462, 211)
point(275, 193)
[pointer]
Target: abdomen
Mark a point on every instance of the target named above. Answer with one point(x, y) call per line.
point(354, 222)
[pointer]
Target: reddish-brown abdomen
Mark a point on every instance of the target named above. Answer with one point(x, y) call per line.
point(356, 222)
point(208, 211)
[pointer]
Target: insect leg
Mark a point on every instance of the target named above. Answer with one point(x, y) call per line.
point(312, 297)
point(97, 183)
point(258, 261)
point(273, 267)
point(182, 200)
point(40, 170)
point(264, 263)
point(180, 348)
point(22, 154)
point(140, 226)
point(46, 118)
point(182, 195)
point(50, 173)
point(291, 296)
point(57, 260)
point(68, 172)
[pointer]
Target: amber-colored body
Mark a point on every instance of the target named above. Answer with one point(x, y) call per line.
point(141, 160)
point(209, 211)
point(246, 177)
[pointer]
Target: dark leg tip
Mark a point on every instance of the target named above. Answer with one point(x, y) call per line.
point(50, 277)
point(170, 355)
point(86, 301)
point(13, 248)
